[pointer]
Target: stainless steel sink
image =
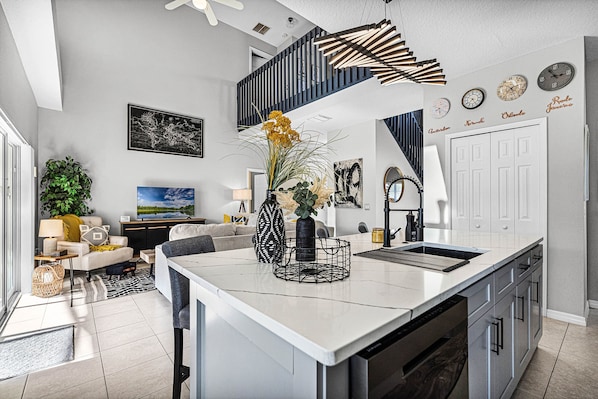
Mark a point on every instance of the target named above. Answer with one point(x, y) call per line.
point(433, 256)
point(448, 251)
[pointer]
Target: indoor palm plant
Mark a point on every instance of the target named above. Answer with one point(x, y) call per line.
point(65, 188)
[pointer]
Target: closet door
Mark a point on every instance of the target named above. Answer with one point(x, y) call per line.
point(503, 184)
point(470, 183)
point(527, 180)
point(479, 177)
point(515, 180)
point(460, 183)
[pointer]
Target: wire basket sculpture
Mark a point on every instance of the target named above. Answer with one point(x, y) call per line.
point(332, 262)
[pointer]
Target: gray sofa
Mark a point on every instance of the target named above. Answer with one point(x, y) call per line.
point(226, 236)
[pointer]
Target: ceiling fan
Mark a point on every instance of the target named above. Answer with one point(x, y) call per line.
point(204, 5)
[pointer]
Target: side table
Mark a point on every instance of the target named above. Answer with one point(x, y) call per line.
point(48, 258)
point(149, 257)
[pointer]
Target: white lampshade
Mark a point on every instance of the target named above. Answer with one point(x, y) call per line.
point(242, 194)
point(50, 228)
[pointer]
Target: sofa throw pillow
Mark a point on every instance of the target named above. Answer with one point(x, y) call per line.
point(94, 235)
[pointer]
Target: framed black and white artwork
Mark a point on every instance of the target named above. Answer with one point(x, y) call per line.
point(348, 183)
point(164, 132)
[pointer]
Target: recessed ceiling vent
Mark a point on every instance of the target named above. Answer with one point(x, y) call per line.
point(261, 28)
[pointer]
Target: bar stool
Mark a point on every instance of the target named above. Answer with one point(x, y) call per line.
point(179, 285)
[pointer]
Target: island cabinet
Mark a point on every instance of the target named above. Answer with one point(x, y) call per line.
point(505, 325)
point(146, 234)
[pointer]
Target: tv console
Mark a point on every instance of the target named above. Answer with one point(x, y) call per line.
point(146, 234)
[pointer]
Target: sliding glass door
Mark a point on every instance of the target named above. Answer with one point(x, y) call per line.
point(9, 226)
point(2, 231)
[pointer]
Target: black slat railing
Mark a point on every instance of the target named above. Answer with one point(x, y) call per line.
point(407, 131)
point(296, 76)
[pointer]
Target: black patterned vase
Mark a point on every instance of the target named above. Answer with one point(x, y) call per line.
point(269, 235)
point(306, 240)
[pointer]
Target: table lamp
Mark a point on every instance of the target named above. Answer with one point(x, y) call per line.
point(50, 228)
point(242, 195)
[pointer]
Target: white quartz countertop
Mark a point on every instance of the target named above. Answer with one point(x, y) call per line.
point(332, 321)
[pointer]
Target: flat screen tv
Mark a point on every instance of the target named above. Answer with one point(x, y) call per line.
point(165, 203)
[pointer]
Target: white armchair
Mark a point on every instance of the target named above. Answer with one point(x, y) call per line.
point(91, 260)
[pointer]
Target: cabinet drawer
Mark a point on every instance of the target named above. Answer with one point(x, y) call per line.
point(537, 254)
point(524, 266)
point(504, 280)
point(480, 298)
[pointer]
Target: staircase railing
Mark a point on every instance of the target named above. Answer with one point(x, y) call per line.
point(406, 130)
point(297, 76)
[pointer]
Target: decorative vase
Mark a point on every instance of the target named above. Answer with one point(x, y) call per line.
point(306, 240)
point(269, 235)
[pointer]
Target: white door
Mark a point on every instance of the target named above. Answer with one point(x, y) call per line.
point(479, 214)
point(460, 184)
point(470, 183)
point(502, 195)
point(515, 180)
point(495, 181)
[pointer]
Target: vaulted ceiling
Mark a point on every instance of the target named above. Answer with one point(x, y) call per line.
point(463, 35)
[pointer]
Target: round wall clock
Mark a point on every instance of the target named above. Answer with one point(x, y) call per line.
point(512, 88)
point(556, 76)
point(440, 107)
point(473, 98)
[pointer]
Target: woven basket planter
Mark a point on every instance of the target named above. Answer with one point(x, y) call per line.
point(47, 280)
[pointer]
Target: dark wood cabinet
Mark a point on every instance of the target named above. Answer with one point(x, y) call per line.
point(146, 234)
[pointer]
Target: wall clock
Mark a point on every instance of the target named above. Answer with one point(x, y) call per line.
point(473, 98)
point(556, 76)
point(440, 107)
point(512, 88)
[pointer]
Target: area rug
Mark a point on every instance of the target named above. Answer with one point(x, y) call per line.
point(101, 288)
point(26, 353)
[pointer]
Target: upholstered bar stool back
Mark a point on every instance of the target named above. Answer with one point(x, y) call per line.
point(179, 285)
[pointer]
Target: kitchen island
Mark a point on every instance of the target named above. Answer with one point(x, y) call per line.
point(254, 335)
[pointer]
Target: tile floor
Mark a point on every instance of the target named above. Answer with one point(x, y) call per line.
point(123, 349)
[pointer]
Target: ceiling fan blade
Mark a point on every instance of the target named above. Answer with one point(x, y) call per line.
point(236, 4)
point(175, 4)
point(201, 4)
point(210, 14)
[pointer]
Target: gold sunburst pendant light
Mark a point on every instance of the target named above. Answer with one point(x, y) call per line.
point(379, 47)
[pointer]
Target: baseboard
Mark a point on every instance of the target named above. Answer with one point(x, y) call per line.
point(593, 304)
point(567, 317)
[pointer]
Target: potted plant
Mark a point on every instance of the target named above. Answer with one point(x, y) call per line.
point(286, 155)
point(65, 188)
point(304, 199)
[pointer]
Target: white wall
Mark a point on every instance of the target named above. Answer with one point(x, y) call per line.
point(372, 142)
point(566, 273)
point(359, 142)
point(16, 98)
point(119, 52)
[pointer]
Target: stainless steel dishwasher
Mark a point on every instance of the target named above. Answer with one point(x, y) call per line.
point(425, 358)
